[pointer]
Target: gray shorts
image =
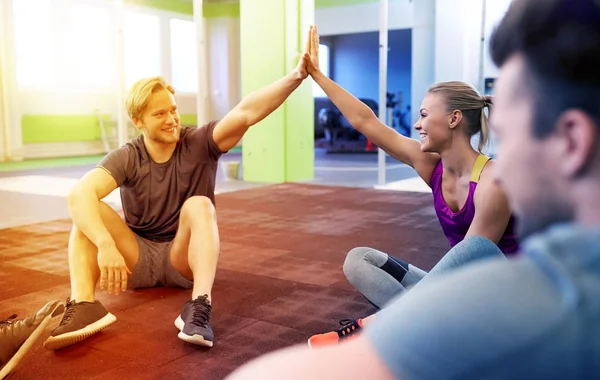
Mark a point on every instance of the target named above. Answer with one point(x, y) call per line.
point(154, 267)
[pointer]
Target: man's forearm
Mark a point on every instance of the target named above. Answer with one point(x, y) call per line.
point(84, 209)
point(260, 103)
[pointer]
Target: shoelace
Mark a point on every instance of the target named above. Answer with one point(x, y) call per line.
point(349, 327)
point(69, 312)
point(202, 309)
point(8, 321)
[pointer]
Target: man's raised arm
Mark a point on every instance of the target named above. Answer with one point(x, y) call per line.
point(255, 107)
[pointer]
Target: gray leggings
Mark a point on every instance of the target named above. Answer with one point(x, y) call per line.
point(380, 277)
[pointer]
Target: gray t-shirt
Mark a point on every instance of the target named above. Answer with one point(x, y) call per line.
point(536, 316)
point(151, 193)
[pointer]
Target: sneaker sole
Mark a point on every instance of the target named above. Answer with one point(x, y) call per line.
point(193, 339)
point(12, 364)
point(61, 341)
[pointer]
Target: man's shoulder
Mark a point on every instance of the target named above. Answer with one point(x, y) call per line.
point(204, 127)
point(479, 316)
point(199, 133)
point(199, 141)
point(132, 147)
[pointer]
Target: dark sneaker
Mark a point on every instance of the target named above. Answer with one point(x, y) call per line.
point(194, 322)
point(80, 321)
point(348, 330)
point(17, 336)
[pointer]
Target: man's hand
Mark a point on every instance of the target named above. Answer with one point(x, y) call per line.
point(113, 270)
point(300, 69)
point(257, 105)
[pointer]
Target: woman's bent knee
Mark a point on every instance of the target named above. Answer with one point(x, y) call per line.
point(360, 257)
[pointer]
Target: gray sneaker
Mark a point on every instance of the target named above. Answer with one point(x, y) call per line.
point(17, 336)
point(80, 321)
point(194, 322)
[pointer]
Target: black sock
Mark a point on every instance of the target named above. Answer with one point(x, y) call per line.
point(395, 268)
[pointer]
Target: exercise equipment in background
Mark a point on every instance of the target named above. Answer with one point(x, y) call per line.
point(335, 134)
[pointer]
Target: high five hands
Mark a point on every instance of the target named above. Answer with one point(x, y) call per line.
point(309, 62)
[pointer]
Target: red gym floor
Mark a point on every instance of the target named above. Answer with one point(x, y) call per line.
point(279, 281)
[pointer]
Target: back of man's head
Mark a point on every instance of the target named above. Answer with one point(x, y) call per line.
point(547, 113)
point(560, 42)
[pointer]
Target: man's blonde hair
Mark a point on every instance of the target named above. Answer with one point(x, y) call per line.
point(139, 95)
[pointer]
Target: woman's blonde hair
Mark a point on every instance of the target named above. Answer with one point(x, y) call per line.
point(463, 97)
point(139, 95)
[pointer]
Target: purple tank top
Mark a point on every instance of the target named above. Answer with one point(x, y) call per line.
point(456, 224)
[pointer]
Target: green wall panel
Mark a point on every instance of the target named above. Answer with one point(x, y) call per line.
point(299, 107)
point(188, 119)
point(262, 47)
point(177, 6)
point(277, 148)
point(36, 129)
point(59, 128)
point(209, 10)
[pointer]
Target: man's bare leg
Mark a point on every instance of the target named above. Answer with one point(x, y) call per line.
point(84, 316)
point(195, 250)
point(83, 254)
point(195, 253)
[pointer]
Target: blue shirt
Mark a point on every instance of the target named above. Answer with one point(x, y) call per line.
point(534, 316)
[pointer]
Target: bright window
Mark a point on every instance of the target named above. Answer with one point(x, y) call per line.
point(63, 45)
point(142, 46)
point(35, 52)
point(184, 60)
point(324, 67)
point(88, 43)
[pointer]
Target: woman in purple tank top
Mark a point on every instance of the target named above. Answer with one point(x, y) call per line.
point(472, 208)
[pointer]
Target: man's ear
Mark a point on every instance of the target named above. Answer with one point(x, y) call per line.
point(579, 134)
point(137, 122)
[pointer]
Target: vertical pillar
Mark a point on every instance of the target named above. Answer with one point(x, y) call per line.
point(122, 116)
point(272, 36)
point(165, 49)
point(202, 99)
point(11, 142)
point(423, 54)
point(383, 63)
point(3, 90)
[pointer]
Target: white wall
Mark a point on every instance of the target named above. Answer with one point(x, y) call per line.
point(457, 40)
point(224, 64)
point(460, 53)
point(458, 30)
point(495, 10)
point(423, 54)
point(363, 17)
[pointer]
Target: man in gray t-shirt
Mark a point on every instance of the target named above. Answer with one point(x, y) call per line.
point(169, 235)
point(533, 316)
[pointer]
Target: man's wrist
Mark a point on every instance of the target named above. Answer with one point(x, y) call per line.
point(294, 76)
point(106, 243)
